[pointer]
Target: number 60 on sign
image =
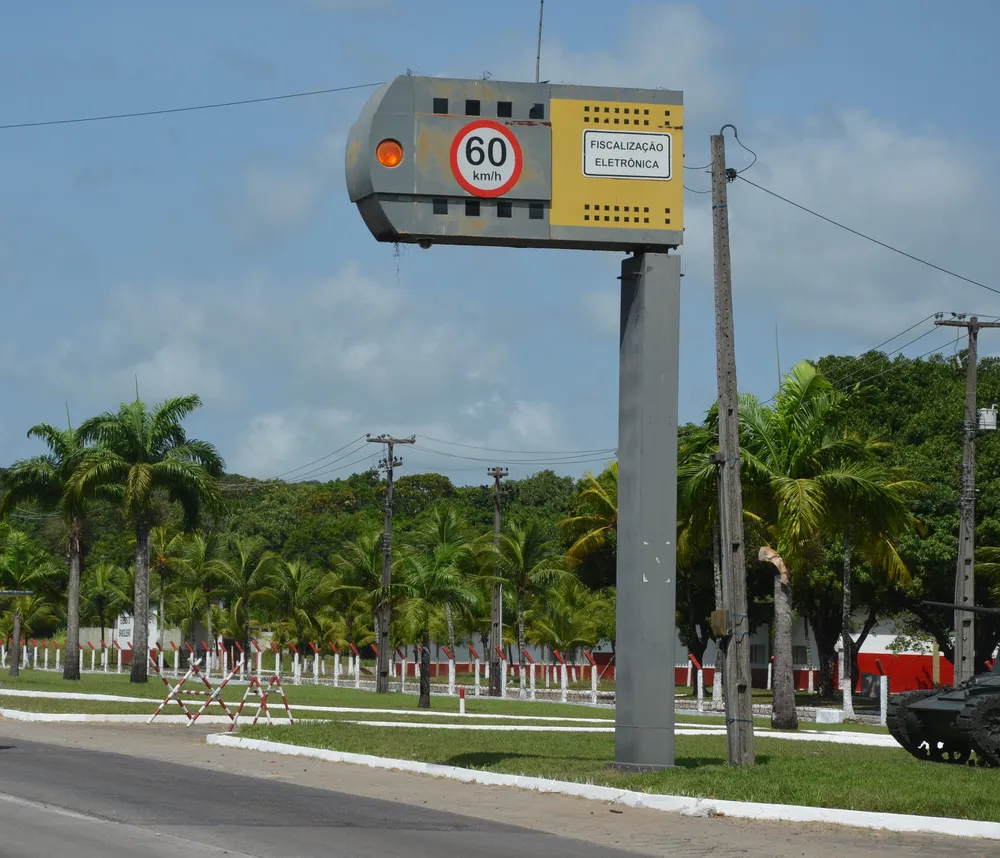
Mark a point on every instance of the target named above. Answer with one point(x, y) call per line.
point(486, 158)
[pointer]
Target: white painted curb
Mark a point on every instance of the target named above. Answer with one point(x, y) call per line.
point(685, 805)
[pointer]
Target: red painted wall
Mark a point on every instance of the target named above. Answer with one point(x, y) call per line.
point(906, 672)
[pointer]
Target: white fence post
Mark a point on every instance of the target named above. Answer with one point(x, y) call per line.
point(770, 665)
point(701, 690)
point(475, 670)
point(593, 683)
point(451, 671)
point(532, 675)
point(336, 669)
point(883, 697)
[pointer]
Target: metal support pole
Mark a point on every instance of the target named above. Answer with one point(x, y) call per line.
point(647, 510)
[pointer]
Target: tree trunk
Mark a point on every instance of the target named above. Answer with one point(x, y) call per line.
point(451, 626)
point(846, 686)
point(425, 672)
point(140, 610)
point(71, 667)
point(208, 616)
point(860, 642)
point(809, 649)
point(246, 642)
point(15, 647)
point(783, 715)
point(717, 577)
point(520, 642)
point(161, 623)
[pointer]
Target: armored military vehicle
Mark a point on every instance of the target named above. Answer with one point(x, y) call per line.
point(959, 725)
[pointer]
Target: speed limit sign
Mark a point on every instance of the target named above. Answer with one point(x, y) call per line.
point(486, 158)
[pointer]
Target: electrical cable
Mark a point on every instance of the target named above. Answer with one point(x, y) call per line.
point(520, 452)
point(870, 238)
point(891, 368)
point(164, 111)
point(320, 459)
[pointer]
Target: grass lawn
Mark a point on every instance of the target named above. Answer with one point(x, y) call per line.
point(308, 695)
point(803, 773)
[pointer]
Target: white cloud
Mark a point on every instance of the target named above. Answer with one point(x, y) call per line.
point(918, 191)
point(278, 201)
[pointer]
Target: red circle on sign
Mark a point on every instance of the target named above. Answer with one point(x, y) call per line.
point(515, 148)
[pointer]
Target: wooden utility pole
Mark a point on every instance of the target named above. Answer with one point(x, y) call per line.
point(496, 611)
point(733, 619)
point(389, 463)
point(965, 578)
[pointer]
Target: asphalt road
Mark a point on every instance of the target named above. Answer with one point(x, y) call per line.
point(102, 804)
point(110, 790)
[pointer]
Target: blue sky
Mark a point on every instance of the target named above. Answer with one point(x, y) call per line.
point(216, 251)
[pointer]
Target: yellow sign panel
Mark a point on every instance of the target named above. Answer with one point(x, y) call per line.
point(617, 164)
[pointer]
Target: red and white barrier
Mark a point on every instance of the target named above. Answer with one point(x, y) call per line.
point(475, 669)
point(700, 680)
point(256, 689)
point(357, 666)
point(451, 669)
point(503, 672)
point(401, 653)
point(593, 677)
point(531, 672)
point(315, 664)
point(563, 685)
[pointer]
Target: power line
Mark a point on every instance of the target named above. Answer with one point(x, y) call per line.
point(869, 238)
point(860, 369)
point(212, 106)
point(891, 368)
point(320, 459)
point(520, 452)
point(550, 461)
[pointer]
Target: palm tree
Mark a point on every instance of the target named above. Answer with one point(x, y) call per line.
point(445, 536)
point(44, 480)
point(246, 581)
point(429, 580)
point(802, 475)
point(24, 567)
point(596, 528)
point(199, 568)
point(357, 571)
point(871, 513)
point(298, 592)
point(164, 560)
point(528, 562)
point(139, 453)
point(567, 616)
point(189, 604)
point(103, 593)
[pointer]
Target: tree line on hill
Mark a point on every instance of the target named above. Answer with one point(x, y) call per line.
point(850, 476)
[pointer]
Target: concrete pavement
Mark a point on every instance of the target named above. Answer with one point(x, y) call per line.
point(162, 787)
